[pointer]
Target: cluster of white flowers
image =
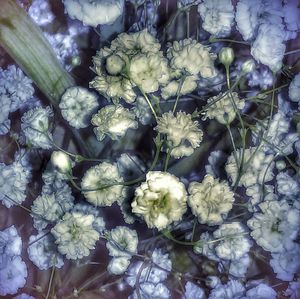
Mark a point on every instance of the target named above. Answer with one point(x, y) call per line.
point(36, 127)
point(13, 182)
point(294, 89)
point(233, 289)
point(150, 277)
point(210, 200)
point(275, 226)
point(75, 235)
point(122, 244)
point(95, 12)
point(13, 270)
point(217, 16)
point(224, 107)
point(160, 200)
point(183, 133)
point(113, 121)
point(76, 105)
point(102, 185)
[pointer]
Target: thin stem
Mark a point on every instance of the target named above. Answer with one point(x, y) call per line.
point(292, 52)
point(50, 282)
point(178, 93)
point(149, 103)
point(216, 40)
point(167, 159)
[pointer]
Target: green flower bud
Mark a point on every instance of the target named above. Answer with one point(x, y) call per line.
point(226, 56)
point(248, 66)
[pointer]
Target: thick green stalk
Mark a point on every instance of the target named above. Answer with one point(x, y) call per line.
point(25, 43)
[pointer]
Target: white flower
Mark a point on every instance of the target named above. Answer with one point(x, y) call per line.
point(113, 121)
point(293, 290)
point(35, 126)
point(142, 110)
point(10, 242)
point(224, 109)
point(217, 16)
point(183, 54)
point(210, 200)
point(247, 17)
point(291, 14)
point(183, 134)
point(23, 296)
point(226, 56)
point(286, 185)
point(262, 291)
point(294, 89)
point(233, 290)
point(75, 235)
point(107, 177)
point(94, 12)
point(192, 291)
point(205, 246)
point(86, 209)
point(276, 225)
point(258, 169)
point(47, 207)
point(13, 274)
point(238, 268)
point(262, 78)
point(13, 181)
point(16, 85)
point(149, 290)
point(149, 71)
point(118, 265)
point(76, 105)
point(286, 263)
point(40, 12)
point(160, 200)
point(233, 243)
point(268, 47)
point(61, 161)
point(122, 242)
point(174, 87)
point(42, 251)
point(150, 273)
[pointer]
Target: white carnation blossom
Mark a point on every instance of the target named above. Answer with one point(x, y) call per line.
point(233, 242)
point(183, 54)
point(286, 263)
point(122, 242)
point(35, 126)
point(217, 16)
point(40, 12)
point(16, 86)
point(192, 291)
point(262, 291)
point(75, 235)
point(258, 169)
point(149, 71)
point(268, 47)
point(76, 106)
point(294, 89)
point(175, 87)
point(183, 133)
point(48, 208)
point(94, 12)
point(106, 178)
point(4, 113)
point(224, 110)
point(113, 121)
point(13, 274)
point(238, 268)
point(262, 77)
point(118, 265)
point(150, 273)
point(150, 290)
point(287, 185)
point(13, 182)
point(42, 251)
point(276, 225)
point(142, 110)
point(210, 200)
point(233, 290)
point(291, 14)
point(160, 200)
point(10, 242)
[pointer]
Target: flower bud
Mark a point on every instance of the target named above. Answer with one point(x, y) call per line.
point(114, 64)
point(61, 161)
point(248, 66)
point(226, 56)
